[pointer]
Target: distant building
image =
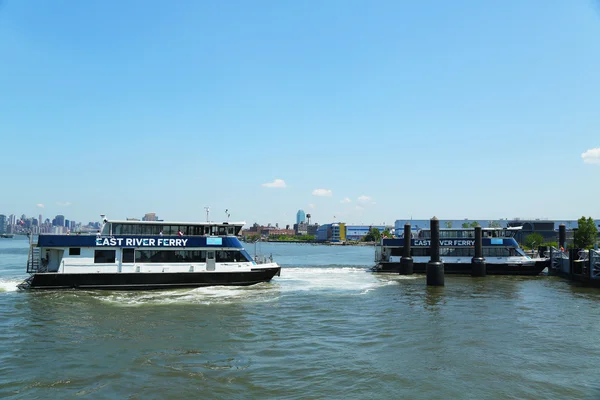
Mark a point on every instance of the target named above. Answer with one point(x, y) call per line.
point(357, 232)
point(150, 217)
point(324, 233)
point(311, 230)
point(542, 227)
point(2, 223)
point(301, 228)
point(335, 232)
point(59, 220)
point(280, 232)
point(300, 217)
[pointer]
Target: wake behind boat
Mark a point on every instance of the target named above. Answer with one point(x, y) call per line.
point(501, 251)
point(145, 255)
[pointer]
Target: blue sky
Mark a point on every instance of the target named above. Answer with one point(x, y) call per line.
point(368, 111)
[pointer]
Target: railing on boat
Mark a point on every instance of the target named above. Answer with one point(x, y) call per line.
point(263, 259)
point(34, 259)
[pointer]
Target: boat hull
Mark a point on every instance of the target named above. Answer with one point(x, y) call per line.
point(534, 268)
point(147, 281)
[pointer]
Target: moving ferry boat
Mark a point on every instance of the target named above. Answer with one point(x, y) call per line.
point(501, 251)
point(146, 255)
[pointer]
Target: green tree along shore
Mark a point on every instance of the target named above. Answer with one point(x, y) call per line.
point(533, 240)
point(287, 238)
point(586, 235)
point(375, 236)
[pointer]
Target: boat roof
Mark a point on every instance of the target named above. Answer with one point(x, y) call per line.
point(120, 221)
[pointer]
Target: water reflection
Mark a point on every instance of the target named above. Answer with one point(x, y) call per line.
point(434, 297)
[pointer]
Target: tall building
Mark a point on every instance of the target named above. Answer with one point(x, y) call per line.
point(59, 220)
point(2, 223)
point(150, 217)
point(300, 217)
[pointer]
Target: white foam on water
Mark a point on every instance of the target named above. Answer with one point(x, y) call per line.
point(346, 279)
point(9, 285)
point(338, 279)
point(204, 295)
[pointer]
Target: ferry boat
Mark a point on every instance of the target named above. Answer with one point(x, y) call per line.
point(145, 255)
point(501, 251)
point(6, 235)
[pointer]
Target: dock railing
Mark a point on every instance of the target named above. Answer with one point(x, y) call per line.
point(594, 256)
point(559, 261)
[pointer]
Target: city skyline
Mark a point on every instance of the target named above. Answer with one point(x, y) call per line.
point(350, 111)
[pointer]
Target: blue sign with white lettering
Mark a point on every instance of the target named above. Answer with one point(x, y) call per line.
point(214, 241)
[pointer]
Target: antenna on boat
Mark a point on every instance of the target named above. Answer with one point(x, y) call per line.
point(227, 214)
point(207, 211)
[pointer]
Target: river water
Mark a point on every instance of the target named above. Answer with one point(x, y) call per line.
point(324, 329)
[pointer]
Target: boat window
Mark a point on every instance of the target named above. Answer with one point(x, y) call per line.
point(244, 256)
point(496, 252)
point(230, 230)
point(420, 251)
point(227, 256)
point(397, 251)
point(74, 251)
point(126, 229)
point(104, 256)
point(128, 255)
point(117, 229)
point(170, 256)
point(520, 252)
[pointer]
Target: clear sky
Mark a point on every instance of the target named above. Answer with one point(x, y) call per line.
point(368, 111)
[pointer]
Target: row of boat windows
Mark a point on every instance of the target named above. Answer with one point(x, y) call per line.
point(169, 256)
point(465, 234)
point(172, 230)
point(461, 252)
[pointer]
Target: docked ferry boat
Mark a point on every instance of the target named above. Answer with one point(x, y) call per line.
point(501, 251)
point(145, 255)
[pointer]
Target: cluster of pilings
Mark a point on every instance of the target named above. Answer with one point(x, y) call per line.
point(435, 266)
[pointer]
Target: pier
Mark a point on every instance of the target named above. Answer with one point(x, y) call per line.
point(576, 265)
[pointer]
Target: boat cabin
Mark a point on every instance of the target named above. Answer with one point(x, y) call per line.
point(162, 228)
point(469, 233)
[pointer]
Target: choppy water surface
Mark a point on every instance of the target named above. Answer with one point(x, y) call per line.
point(324, 329)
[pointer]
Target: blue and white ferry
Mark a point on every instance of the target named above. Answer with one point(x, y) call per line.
point(457, 247)
point(145, 255)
